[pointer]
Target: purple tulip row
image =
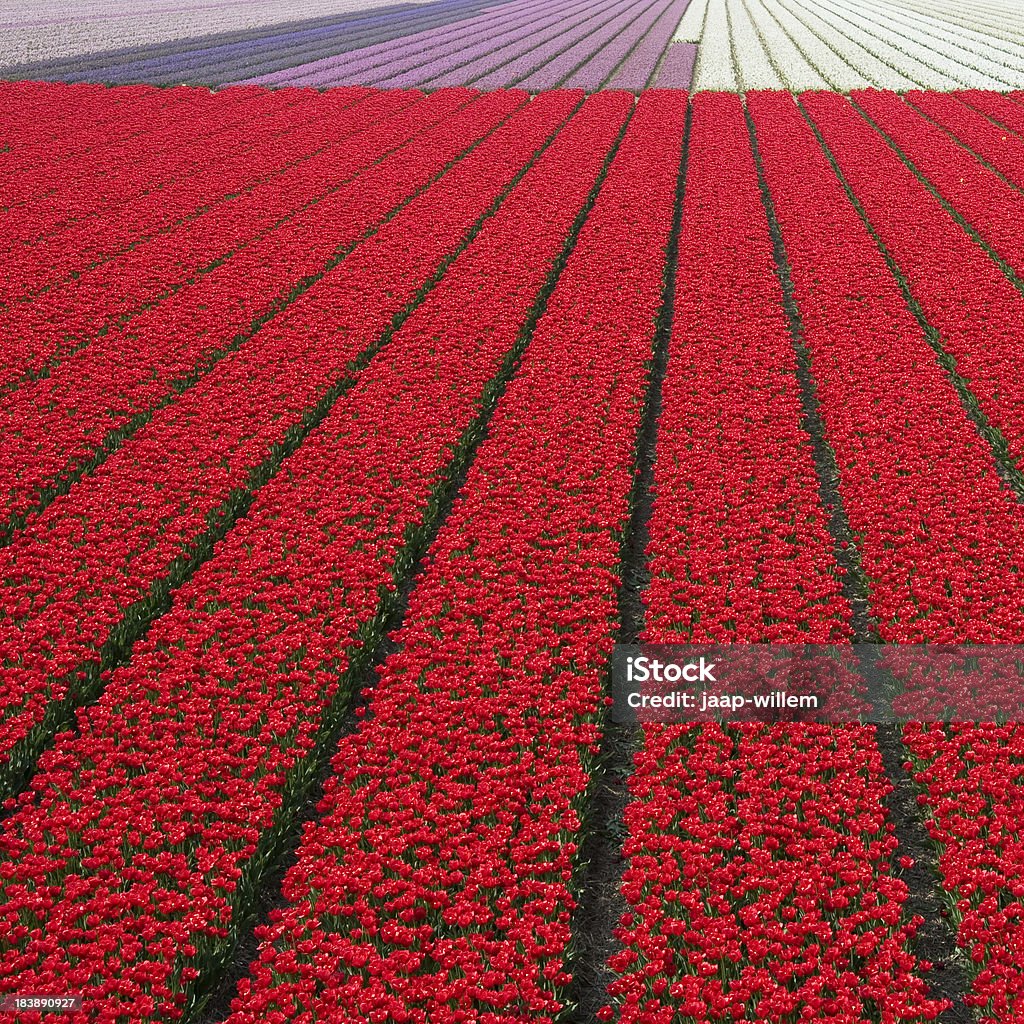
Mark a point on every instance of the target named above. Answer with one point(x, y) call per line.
point(565, 60)
point(455, 69)
point(636, 70)
point(530, 44)
point(526, 63)
point(246, 53)
point(377, 65)
point(365, 63)
point(604, 64)
point(676, 71)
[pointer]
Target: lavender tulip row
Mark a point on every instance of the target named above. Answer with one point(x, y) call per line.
point(231, 56)
point(538, 45)
point(371, 65)
point(558, 69)
point(454, 67)
point(529, 62)
point(676, 71)
point(509, 45)
point(636, 70)
point(486, 44)
point(600, 68)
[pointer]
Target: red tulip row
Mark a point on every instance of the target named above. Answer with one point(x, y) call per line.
point(312, 215)
point(973, 788)
point(37, 200)
point(978, 321)
point(209, 730)
point(999, 147)
point(758, 878)
point(118, 213)
point(969, 774)
point(939, 537)
point(941, 540)
point(86, 574)
point(236, 162)
point(438, 883)
point(995, 106)
point(988, 204)
point(37, 334)
point(45, 122)
point(735, 487)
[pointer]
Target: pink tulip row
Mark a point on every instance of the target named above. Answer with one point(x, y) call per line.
point(438, 883)
point(84, 575)
point(240, 681)
point(316, 212)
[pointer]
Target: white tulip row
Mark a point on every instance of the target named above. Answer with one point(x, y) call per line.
point(854, 44)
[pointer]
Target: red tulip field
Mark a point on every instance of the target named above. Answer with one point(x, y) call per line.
point(346, 435)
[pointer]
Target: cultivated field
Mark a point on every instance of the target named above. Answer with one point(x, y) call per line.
point(249, 394)
point(527, 44)
point(354, 412)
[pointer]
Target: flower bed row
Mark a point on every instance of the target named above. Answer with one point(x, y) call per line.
point(972, 786)
point(41, 200)
point(85, 576)
point(989, 205)
point(234, 691)
point(599, 68)
point(734, 484)
point(312, 217)
point(47, 121)
point(40, 329)
point(439, 883)
point(758, 876)
point(636, 71)
point(51, 244)
point(970, 566)
point(504, 52)
point(999, 107)
point(1003, 149)
point(759, 880)
point(499, 47)
point(439, 52)
point(978, 322)
point(238, 162)
point(571, 50)
point(940, 538)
